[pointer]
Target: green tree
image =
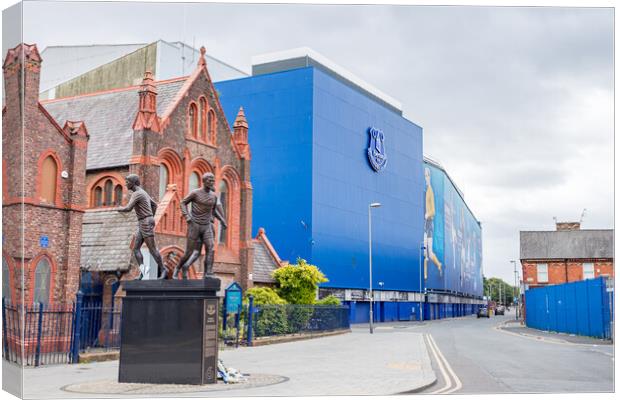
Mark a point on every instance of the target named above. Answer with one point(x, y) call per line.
point(298, 283)
point(492, 290)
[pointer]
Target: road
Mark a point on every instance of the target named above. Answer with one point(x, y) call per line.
point(489, 360)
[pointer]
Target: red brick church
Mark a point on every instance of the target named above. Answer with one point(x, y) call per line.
point(60, 224)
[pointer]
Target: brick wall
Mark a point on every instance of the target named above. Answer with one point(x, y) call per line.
point(26, 146)
point(563, 271)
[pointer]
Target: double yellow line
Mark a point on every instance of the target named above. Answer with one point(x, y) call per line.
point(452, 381)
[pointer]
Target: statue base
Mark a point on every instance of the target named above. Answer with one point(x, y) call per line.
point(169, 331)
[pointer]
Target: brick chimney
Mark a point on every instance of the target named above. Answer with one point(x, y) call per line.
point(77, 131)
point(147, 118)
point(22, 65)
point(240, 134)
point(567, 226)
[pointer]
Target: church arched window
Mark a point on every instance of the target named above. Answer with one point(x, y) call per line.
point(194, 181)
point(6, 280)
point(106, 192)
point(42, 280)
point(203, 119)
point(48, 179)
point(118, 195)
point(193, 120)
point(211, 122)
point(223, 200)
point(164, 178)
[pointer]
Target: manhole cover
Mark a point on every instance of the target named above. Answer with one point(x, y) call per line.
point(112, 387)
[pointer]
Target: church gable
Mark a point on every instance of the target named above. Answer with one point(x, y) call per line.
point(196, 116)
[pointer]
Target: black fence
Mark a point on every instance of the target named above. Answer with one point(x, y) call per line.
point(275, 320)
point(41, 334)
point(38, 334)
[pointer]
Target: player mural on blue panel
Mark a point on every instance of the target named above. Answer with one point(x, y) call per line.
point(429, 225)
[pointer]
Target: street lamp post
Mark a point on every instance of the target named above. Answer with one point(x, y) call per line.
point(422, 249)
point(370, 206)
point(514, 263)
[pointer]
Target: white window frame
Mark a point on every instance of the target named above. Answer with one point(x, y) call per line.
point(542, 277)
point(590, 271)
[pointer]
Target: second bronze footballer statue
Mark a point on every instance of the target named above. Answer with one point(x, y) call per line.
point(200, 231)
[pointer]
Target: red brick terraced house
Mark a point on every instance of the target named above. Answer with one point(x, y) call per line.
point(168, 132)
point(567, 254)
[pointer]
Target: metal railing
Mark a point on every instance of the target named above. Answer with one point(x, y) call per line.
point(38, 334)
point(274, 320)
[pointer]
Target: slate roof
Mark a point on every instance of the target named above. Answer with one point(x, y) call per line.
point(109, 116)
point(264, 264)
point(584, 243)
point(106, 236)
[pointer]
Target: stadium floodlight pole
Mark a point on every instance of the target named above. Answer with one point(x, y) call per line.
point(370, 206)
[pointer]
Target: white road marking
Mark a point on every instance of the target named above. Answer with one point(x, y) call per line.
point(446, 378)
point(458, 385)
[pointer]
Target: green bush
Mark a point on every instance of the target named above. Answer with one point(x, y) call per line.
point(271, 319)
point(330, 300)
point(263, 295)
point(298, 283)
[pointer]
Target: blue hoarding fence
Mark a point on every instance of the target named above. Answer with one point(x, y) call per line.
point(582, 308)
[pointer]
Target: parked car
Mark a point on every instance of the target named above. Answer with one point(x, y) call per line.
point(483, 312)
point(500, 310)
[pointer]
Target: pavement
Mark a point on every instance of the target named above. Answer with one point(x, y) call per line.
point(357, 363)
point(457, 355)
point(516, 327)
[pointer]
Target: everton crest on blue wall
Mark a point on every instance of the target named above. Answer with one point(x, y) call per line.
point(376, 149)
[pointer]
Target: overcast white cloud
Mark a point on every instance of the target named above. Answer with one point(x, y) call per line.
point(517, 103)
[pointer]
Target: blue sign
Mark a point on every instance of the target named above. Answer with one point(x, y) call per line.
point(233, 298)
point(44, 241)
point(376, 149)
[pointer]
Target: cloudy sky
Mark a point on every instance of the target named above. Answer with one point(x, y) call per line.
point(516, 103)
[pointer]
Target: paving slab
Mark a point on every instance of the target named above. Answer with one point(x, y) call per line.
point(390, 361)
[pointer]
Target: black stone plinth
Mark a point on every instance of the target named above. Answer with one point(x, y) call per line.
point(169, 331)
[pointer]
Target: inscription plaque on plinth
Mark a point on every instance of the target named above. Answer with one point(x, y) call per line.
point(169, 331)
